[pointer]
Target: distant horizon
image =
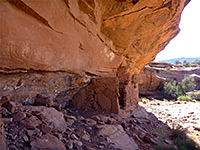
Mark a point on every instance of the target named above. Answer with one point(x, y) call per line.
point(186, 43)
point(181, 59)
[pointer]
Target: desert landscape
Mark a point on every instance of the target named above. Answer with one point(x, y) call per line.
point(79, 74)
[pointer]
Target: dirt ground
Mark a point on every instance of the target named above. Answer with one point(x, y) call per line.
point(186, 114)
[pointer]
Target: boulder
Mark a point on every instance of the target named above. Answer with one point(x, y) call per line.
point(47, 141)
point(30, 122)
point(117, 135)
point(49, 115)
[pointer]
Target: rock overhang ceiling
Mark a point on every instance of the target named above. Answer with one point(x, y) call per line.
point(86, 35)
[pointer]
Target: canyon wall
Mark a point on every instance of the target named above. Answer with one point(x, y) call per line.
point(92, 38)
point(153, 76)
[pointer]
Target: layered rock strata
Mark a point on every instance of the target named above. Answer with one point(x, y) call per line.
point(153, 76)
point(95, 37)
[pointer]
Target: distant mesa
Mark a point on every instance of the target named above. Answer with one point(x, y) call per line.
point(181, 59)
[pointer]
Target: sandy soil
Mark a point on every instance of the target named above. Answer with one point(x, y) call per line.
point(186, 114)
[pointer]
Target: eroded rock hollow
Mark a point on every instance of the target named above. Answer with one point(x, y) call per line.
point(82, 51)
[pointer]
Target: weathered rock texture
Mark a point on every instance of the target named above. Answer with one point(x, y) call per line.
point(85, 35)
point(100, 94)
point(57, 86)
point(97, 37)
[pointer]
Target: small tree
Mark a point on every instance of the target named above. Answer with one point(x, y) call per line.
point(180, 90)
point(188, 64)
point(177, 62)
point(180, 65)
point(197, 62)
point(170, 88)
point(174, 89)
point(189, 83)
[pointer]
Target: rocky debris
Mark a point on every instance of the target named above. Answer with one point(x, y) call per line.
point(4, 100)
point(49, 116)
point(82, 133)
point(2, 136)
point(41, 100)
point(140, 112)
point(19, 116)
point(44, 127)
point(30, 122)
point(11, 106)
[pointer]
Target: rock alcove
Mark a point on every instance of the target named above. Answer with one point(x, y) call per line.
point(86, 53)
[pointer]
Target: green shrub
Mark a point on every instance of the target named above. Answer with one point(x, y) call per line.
point(170, 88)
point(187, 64)
point(197, 97)
point(189, 83)
point(180, 65)
point(167, 68)
point(177, 62)
point(184, 98)
point(174, 89)
point(197, 62)
point(180, 90)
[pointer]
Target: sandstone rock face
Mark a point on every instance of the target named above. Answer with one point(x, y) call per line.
point(104, 97)
point(109, 39)
point(57, 86)
point(85, 35)
point(149, 82)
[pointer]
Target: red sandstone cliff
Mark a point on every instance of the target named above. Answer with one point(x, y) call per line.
point(112, 38)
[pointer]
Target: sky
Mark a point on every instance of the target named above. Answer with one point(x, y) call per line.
point(187, 42)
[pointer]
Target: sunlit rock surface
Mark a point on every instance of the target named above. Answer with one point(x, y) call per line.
point(100, 38)
point(85, 35)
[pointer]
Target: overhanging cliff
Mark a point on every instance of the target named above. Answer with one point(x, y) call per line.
point(112, 38)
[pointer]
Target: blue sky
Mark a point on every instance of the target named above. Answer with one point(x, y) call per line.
point(187, 42)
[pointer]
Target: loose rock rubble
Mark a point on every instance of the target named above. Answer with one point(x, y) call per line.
point(27, 127)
